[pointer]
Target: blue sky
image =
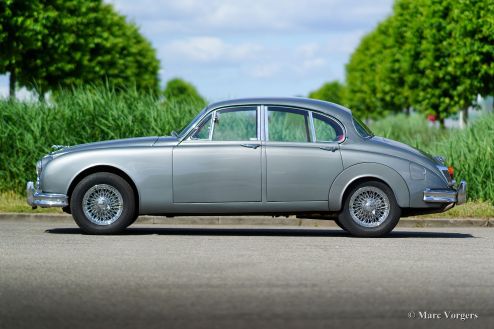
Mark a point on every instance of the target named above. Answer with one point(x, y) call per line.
point(242, 48)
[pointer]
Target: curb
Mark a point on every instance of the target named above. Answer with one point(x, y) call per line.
point(255, 220)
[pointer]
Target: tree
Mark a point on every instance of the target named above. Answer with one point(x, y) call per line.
point(473, 59)
point(180, 91)
point(330, 91)
point(89, 43)
point(361, 78)
point(21, 30)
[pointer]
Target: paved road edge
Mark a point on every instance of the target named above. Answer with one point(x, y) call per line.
point(257, 220)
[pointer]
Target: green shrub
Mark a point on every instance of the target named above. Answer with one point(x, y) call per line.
point(89, 114)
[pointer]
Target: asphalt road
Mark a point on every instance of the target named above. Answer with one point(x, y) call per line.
point(158, 276)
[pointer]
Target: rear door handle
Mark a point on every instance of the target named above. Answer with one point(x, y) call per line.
point(329, 148)
point(251, 146)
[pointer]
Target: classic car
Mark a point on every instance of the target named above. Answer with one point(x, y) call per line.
point(269, 156)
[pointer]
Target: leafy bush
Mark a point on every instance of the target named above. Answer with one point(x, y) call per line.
point(89, 114)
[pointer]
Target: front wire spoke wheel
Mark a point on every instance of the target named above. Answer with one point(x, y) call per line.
point(102, 204)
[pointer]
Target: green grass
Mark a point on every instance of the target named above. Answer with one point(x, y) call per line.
point(13, 202)
point(29, 129)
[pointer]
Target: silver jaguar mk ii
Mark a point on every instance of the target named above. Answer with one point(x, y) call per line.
point(270, 156)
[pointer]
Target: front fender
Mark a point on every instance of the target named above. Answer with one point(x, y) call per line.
point(368, 170)
point(150, 169)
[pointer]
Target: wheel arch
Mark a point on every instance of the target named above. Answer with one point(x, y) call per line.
point(362, 172)
point(104, 168)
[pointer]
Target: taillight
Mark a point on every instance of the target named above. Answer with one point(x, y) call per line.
point(451, 171)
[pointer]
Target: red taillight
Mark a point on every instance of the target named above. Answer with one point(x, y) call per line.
point(451, 171)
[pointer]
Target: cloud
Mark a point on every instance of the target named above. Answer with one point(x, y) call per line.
point(247, 16)
point(207, 49)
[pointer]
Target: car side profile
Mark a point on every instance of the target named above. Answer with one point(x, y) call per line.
point(270, 156)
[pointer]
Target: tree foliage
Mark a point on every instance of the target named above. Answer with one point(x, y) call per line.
point(21, 30)
point(180, 91)
point(81, 41)
point(435, 56)
point(330, 91)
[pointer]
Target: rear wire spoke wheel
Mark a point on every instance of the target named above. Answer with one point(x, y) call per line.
point(369, 206)
point(103, 203)
point(370, 210)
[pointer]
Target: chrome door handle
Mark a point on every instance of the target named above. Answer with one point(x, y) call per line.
point(329, 148)
point(251, 146)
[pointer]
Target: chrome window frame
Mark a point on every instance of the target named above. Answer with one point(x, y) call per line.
point(332, 119)
point(308, 123)
point(193, 129)
point(312, 133)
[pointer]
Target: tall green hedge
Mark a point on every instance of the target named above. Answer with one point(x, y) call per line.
point(29, 129)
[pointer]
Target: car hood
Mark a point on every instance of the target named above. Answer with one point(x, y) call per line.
point(128, 142)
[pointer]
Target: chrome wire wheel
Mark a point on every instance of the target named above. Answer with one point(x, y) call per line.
point(102, 204)
point(369, 206)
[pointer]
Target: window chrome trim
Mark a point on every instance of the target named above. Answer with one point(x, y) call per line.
point(188, 135)
point(343, 129)
point(263, 123)
point(306, 115)
point(312, 128)
point(213, 121)
point(266, 123)
point(311, 123)
point(258, 120)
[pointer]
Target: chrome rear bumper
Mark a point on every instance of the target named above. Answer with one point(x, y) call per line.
point(458, 195)
point(37, 198)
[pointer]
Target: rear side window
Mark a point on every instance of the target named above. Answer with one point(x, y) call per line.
point(326, 129)
point(288, 125)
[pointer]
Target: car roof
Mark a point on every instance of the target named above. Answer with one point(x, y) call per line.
point(336, 110)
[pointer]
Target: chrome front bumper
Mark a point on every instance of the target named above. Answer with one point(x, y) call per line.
point(452, 195)
point(36, 198)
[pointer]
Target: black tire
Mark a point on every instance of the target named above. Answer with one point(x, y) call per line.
point(122, 218)
point(382, 227)
point(337, 221)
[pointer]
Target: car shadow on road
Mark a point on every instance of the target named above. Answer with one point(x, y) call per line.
point(242, 231)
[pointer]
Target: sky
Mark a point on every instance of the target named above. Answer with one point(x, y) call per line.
point(245, 48)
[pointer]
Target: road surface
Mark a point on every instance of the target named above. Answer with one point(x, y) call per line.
point(157, 276)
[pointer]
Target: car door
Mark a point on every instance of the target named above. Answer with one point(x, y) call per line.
point(221, 160)
point(302, 154)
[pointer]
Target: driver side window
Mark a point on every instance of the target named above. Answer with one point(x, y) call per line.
point(230, 124)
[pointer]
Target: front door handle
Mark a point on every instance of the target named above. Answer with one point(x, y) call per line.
point(329, 148)
point(251, 146)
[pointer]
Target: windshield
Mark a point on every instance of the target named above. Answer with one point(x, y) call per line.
point(362, 129)
point(183, 130)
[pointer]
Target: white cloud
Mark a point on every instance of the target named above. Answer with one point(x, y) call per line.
point(210, 49)
point(265, 70)
point(267, 16)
